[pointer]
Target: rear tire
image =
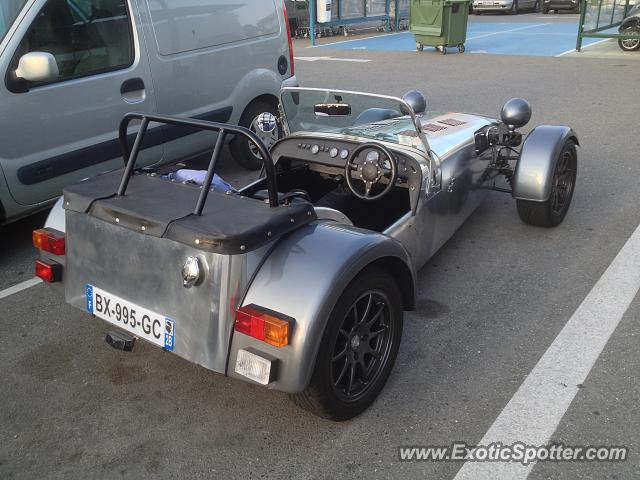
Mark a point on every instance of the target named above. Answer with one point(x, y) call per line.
point(244, 152)
point(630, 45)
point(552, 212)
point(355, 357)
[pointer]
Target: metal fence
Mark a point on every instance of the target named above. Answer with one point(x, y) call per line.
point(598, 16)
point(390, 14)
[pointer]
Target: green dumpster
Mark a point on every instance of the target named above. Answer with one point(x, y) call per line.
point(439, 23)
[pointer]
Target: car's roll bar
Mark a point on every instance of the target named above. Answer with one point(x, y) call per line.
point(130, 156)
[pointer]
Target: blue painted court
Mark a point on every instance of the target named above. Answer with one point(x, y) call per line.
point(537, 39)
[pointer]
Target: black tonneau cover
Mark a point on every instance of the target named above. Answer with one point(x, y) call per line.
point(230, 224)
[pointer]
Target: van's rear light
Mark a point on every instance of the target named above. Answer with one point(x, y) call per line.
point(49, 272)
point(290, 39)
point(264, 326)
point(49, 240)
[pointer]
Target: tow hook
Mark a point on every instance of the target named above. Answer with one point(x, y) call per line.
point(120, 341)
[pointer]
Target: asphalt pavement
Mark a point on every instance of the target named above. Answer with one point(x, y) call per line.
point(490, 304)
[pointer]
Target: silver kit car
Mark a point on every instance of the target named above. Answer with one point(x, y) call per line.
point(299, 280)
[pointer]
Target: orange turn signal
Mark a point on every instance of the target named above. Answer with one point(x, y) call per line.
point(49, 240)
point(265, 326)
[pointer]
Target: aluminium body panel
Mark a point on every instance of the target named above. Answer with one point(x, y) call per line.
point(147, 271)
point(303, 278)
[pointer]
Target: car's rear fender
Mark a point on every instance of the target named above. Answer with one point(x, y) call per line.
point(303, 278)
point(633, 21)
point(534, 170)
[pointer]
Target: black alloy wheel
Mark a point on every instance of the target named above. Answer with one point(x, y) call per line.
point(362, 346)
point(563, 183)
point(357, 350)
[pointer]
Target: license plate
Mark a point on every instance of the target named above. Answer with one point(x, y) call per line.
point(143, 323)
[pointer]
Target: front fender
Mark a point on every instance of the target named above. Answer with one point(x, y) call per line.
point(534, 170)
point(303, 278)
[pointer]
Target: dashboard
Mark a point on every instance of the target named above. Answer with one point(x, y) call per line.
point(330, 155)
point(335, 153)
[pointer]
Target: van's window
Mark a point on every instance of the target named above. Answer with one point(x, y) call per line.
point(186, 25)
point(85, 36)
point(9, 10)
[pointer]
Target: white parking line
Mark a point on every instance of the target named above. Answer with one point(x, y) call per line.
point(356, 39)
point(19, 287)
point(534, 412)
point(333, 59)
point(508, 31)
point(583, 47)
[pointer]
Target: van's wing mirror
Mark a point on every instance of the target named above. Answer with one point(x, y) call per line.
point(37, 67)
point(332, 109)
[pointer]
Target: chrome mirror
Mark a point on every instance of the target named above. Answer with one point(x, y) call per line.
point(37, 67)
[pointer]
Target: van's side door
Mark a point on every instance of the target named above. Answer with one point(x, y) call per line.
point(60, 131)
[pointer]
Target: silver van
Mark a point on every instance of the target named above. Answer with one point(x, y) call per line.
point(72, 68)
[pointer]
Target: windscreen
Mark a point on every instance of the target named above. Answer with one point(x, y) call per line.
point(9, 10)
point(346, 113)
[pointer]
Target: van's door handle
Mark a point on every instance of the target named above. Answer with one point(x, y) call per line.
point(131, 85)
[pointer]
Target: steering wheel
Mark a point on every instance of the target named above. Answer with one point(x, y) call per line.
point(371, 170)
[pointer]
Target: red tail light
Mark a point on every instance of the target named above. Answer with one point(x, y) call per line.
point(49, 240)
point(49, 272)
point(286, 21)
point(262, 325)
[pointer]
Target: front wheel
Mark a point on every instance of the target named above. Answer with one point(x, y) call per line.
point(631, 44)
point(552, 212)
point(357, 350)
point(244, 152)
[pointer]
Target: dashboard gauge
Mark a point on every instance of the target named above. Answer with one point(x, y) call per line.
point(333, 153)
point(344, 154)
point(373, 156)
point(315, 149)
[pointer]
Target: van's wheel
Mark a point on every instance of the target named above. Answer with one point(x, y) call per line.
point(630, 44)
point(245, 153)
point(357, 350)
point(552, 212)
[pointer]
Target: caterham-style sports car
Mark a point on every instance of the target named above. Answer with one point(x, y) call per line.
point(297, 281)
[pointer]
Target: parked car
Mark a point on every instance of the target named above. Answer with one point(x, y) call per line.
point(557, 5)
point(298, 281)
point(630, 26)
point(73, 68)
point(511, 7)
